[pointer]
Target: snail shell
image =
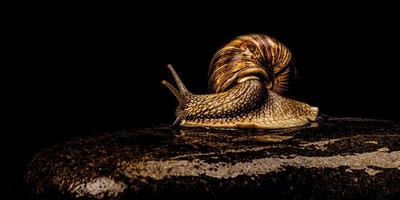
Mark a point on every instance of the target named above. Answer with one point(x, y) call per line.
point(246, 78)
point(252, 55)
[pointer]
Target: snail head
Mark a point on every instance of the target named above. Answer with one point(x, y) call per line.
point(181, 93)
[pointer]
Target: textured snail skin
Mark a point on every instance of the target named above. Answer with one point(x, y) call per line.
point(248, 76)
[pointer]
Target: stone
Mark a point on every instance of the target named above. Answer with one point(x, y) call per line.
point(335, 158)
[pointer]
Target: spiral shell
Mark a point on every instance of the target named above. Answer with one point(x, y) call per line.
point(253, 55)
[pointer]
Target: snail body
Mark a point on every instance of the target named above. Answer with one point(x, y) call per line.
point(246, 78)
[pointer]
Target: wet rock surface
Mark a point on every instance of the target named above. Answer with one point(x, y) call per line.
point(336, 158)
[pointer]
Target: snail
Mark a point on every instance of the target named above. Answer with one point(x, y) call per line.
point(247, 78)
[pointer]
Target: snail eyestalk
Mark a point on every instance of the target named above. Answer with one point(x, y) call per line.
point(173, 90)
point(181, 86)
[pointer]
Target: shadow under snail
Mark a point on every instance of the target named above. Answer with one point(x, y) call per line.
point(247, 78)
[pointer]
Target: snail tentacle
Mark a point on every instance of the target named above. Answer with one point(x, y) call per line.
point(173, 90)
point(179, 83)
point(182, 92)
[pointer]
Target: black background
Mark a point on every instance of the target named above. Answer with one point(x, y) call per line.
point(76, 71)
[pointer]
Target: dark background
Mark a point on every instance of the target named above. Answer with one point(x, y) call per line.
point(73, 72)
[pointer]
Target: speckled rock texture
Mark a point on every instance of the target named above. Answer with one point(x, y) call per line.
point(336, 158)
